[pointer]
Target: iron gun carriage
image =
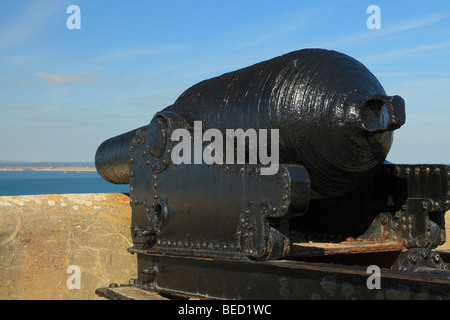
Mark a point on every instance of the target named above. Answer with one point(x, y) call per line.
point(332, 208)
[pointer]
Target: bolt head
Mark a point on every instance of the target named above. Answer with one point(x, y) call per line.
point(413, 258)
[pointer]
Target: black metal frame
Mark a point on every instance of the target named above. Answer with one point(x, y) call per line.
point(226, 232)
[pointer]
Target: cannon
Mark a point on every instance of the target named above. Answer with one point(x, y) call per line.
point(226, 227)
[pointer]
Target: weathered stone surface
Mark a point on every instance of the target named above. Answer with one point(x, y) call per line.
point(446, 246)
point(41, 236)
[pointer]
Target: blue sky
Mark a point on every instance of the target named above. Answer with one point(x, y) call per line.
point(63, 92)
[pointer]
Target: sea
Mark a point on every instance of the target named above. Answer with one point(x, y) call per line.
point(14, 183)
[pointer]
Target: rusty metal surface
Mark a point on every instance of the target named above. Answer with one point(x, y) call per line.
point(346, 247)
point(41, 236)
point(128, 292)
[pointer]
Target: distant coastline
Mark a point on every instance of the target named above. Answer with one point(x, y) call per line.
point(46, 166)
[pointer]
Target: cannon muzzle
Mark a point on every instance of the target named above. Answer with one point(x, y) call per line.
point(112, 159)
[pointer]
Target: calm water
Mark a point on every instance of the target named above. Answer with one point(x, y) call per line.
point(14, 183)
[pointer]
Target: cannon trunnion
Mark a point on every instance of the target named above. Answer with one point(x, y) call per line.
point(311, 229)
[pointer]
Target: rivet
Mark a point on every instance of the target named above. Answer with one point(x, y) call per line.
point(424, 254)
point(417, 170)
point(437, 170)
point(437, 258)
point(407, 171)
point(427, 170)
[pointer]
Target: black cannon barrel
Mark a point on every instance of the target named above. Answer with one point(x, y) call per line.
point(333, 115)
point(112, 159)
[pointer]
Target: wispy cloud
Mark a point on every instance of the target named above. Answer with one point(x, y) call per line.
point(142, 51)
point(402, 53)
point(14, 105)
point(364, 37)
point(29, 22)
point(129, 79)
point(65, 79)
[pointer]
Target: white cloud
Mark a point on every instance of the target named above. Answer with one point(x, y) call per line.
point(64, 79)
